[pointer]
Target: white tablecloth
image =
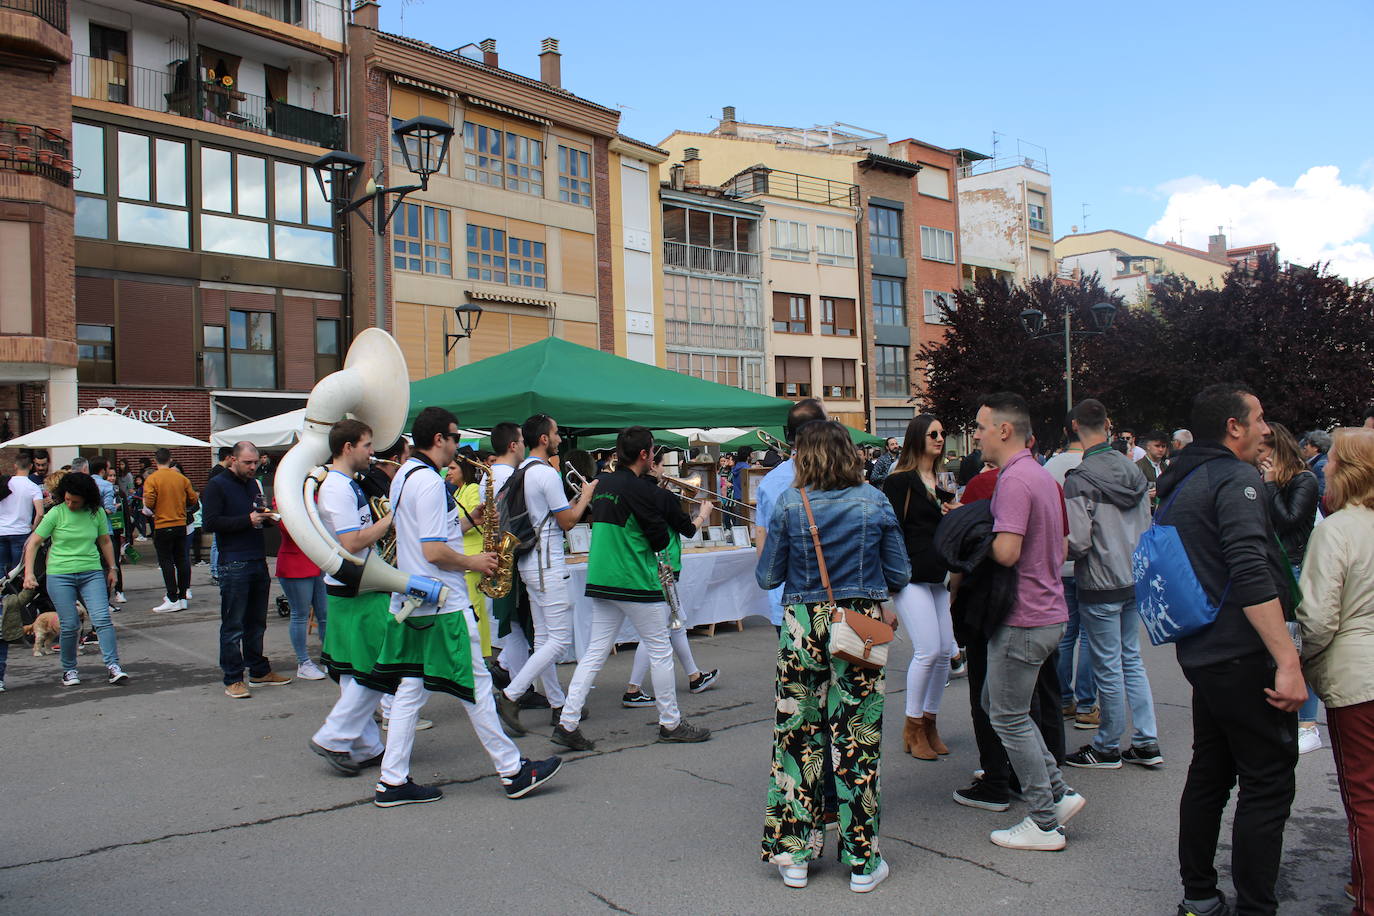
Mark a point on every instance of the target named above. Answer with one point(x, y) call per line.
point(716, 586)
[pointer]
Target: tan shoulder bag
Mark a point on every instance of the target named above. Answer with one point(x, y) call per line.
point(854, 636)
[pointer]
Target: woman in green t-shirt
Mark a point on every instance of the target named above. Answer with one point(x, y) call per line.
point(80, 566)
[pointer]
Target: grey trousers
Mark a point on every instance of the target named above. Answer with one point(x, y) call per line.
point(1015, 655)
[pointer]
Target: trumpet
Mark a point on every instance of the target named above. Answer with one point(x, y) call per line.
point(774, 442)
point(575, 480)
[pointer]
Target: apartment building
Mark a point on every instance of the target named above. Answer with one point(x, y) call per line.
point(1128, 265)
point(543, 214)
point(210, 279)
point(1006, 216)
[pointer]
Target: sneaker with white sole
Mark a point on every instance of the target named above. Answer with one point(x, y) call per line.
point(119, 598)
point(532, 775)
point(636, 699)
point(420, 724)
point(1090, 757)
point(1028, 835)
point(70, 678)
point(794, 875)
point(1309, 740)
point(1144, 755)
point(703, 680)
point(1068, 806)
point(309, 671)
point(167, 606)
point(181, 605)
point(117, 675)
point(862, 884)
point(188, 597)
point(409, 792)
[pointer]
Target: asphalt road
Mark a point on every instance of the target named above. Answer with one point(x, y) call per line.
point(165, 796)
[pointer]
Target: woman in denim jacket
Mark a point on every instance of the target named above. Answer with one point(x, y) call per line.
point(867, 562)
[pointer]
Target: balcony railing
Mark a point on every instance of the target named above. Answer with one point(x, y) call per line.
point(53, 12)
point(322, 16)
point(710, 260)
point(758, 182)
point(36, 150)
point(157, 90)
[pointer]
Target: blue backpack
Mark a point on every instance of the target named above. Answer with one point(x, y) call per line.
point(1171, 600)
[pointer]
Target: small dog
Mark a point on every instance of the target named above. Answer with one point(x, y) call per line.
point(47, 628)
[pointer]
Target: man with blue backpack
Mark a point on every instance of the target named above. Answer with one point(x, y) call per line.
point(1243, 665)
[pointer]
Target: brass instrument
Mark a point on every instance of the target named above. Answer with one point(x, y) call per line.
point(669, 583)
point(386, 544)
point(774, 442)
point(684, 483)
point(575, 480)
point(494, 540)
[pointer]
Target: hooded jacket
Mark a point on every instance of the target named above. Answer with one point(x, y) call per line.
point(1109, 509)
point(1222, 518)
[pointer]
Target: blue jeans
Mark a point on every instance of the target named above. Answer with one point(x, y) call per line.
point(64, 589)
point(1079, 685)
point(243, 589)
point(1307, 712)
point(214, 556)
point(1113, 632)
point(11, 551)
point(302, 595)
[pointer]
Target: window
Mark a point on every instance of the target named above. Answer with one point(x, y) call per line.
point(837, 317)
point(889, 369)
point(837, 378)
point(574, 176)
point(420, 240)
point(937, 244)
point(789, 240)
point(1039, 262)
point(486, 254)
point(240, 217)
point(793, 376)
point(885, 231)
point(94, 353)
point(790, 313)
point(412, 144)
point(327, 346)
point(526, 264)
point(933, 182)
point(213, 369)
point(250, 358)
point(708, 313)
point(834, 246)
point(88, 154)
point(153, 174)
point(503, 159)
point(889, 302)
point(297, 199)
point(1035, 211)
point(933, 300)
point(109, 64)
point(735, 371)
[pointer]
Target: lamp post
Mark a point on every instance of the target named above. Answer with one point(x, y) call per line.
point(468, 317)
point(424, 145)
point(1033, 320)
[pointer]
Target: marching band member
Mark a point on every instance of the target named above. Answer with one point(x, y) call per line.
point(628, 531)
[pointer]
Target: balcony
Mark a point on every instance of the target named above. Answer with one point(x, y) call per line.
point(35, 150)
point(172, 92)
point(766, 182)
point(53, 12)
point(321, 16)
point(701, 259)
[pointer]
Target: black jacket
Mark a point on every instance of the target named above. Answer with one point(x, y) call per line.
point(964, 542)
point(919, 516)
point(1222, 518)
point(1294, 511)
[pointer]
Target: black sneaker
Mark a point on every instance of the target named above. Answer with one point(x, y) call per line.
point(958, 666)
point(532, 700)
point(532, 775)
point(703, 680)
point(1145, 755)
point(1218, 907)
point(636, 700)
point(509, 711)
point(1092, 758)
point(573, 740)
point(557, 713)
point(339, 760)
point(408, 793)
point(978, 795)
point(684, 733)
point(500, 677)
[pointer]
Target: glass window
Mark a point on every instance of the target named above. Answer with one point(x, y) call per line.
point(937, 244)
point(890, 371)
point(305, 246)
point(327, 336)
point(486, 254)
point(171, 172)
point(317, 206)
point(216, 177)
point(213, 374)
point(885, 230)
point(134, 167)
point(933, 300)
point(153, 225)
point(250, 330)
point(574, 176)
point(837, 378)
point(420, 240)
point(287, 192)
point(252, 354)
point(228, 235)
point(526, 263)
point(1035, 211)
point(790, 313)
point(889, 302)
point(92, 216)
point(214, 336)
point(503, 159)
point(837, 317)
point(834, 245)
point(252, 370)
point(88, 154)
point(793, 376)
point(790, 240)
point(413, 145)
point(252, 185)
point(94, 353)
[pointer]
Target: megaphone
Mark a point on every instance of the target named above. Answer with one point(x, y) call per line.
point(372, 386)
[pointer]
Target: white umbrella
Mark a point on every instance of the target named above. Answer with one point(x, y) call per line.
point(277, 432)
point(106, 429)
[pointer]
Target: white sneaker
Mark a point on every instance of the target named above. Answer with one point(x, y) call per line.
point(309, 671)
point(862, 884)
point(181, 605)
point(70, 678)
point(1309, 740)
point(167, 606)
point(2, 686)
point(794, 875)
point(1028, 835)
point(117, 675)
point(119, 598)
point(187, 598)
point(1068, 806)
point(420, 724)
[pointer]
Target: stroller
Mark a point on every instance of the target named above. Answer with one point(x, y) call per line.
point(22, 607)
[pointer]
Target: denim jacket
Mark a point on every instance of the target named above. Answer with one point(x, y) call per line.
point(864, 551)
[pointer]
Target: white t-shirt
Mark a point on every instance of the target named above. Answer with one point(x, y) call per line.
point(343, 507)
point(544, 497)
point(423, 511)
point(17, 509)
point(500, 473)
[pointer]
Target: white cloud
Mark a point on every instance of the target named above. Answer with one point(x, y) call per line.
point(1318, 218)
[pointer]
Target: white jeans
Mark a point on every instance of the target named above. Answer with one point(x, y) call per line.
point(400, 736)
point(650, 619)
point(515, 649)
point(505, 756)
point(923, 609)
point(552, 610)
point(681, 649)
point(350, 726)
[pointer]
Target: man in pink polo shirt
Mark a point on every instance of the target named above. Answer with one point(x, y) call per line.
point(1029, 535)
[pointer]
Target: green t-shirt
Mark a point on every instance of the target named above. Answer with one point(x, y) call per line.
point(73, 536)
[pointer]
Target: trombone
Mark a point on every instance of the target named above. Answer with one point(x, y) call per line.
point(774, 442)
point(681, 482)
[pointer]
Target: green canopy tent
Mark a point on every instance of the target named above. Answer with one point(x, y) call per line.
point(662, 437)
point(751, 441)
point(587, 390)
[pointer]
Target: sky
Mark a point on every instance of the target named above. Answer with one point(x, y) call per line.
point(1165, 120)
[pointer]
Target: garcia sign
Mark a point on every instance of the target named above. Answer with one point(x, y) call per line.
point(157, 416)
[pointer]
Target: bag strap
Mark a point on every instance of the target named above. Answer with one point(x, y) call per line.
point(816, 541)
point(1159, 513)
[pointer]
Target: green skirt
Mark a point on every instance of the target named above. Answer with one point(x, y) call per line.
point(437, 648)
point(353, 639)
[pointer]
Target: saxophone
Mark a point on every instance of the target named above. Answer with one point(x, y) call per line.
point(494, 540)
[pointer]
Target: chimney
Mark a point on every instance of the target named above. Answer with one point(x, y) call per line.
point(691, 158)
point(727, 122)
point(488, 46)
point(1216, 244)
point(550, 63)
point(366, 14)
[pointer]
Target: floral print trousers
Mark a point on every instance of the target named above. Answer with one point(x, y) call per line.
point(814, 691)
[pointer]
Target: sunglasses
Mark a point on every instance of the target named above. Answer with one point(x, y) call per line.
point(935, 434)
point(456, 437)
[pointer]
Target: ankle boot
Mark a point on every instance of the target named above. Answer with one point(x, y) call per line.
point(933, 735)
point(914, 740)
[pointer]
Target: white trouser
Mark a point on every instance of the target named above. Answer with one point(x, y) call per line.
point(400, 736)
point(923, 609)
point(650, 619)
point(515, 649)
point(350, 726)
point(552, 610)
point(681, 648)
point(505, 756)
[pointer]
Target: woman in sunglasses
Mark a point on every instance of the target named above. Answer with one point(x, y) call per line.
point(923, 606)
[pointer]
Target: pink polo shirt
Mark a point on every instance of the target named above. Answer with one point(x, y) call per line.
point(1027, 502)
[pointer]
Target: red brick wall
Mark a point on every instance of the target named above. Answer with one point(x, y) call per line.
point(297, 329)
point(154, 338)
point(180, 410)
point(939, 214)
point(601, 203)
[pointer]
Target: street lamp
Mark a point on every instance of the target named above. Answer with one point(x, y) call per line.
point(424, 144)
point(468, 317)
point(1033, 321)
